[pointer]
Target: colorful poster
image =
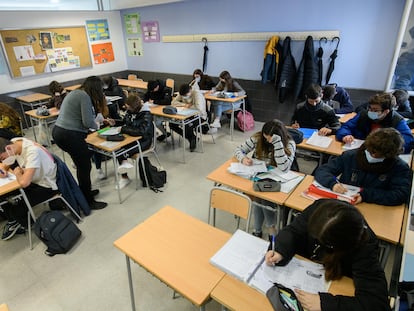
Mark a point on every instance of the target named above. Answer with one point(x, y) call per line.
point(62, 59)
point(132, 24)
point(103, 53)
point(98, 30)
point(150, 31)
point(134, 46)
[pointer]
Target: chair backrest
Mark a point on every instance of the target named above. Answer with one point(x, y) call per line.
point(132, 77)
point(232, 202)
point(170, 83)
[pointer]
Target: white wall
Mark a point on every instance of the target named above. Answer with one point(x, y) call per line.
point(368, 31)
point(26, 20)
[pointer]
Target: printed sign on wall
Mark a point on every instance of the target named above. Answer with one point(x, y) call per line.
point(103, 53)
point(150, 31)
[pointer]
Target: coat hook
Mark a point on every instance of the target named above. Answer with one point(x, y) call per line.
point(323, 39)
point(336, 38)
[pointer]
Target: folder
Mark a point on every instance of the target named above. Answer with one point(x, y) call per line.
point(319, 190)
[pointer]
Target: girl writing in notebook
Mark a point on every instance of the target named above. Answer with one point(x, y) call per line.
point(275, 146)
point(335, 234)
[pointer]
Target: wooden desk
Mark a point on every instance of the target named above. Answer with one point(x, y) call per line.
point(183, 260)
point(232, 101)
point(72, 87)
point(32, 100)
point(385, 221)
point(346, 117)
point(46, 120)
point(134, 84)
point(181, 120)
point(334, 148)
point(95, 144)
point(237, 295)
point(3, 307)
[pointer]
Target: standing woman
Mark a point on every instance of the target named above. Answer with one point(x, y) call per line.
point(274, 145)
point(76, 117)
point(226, 84)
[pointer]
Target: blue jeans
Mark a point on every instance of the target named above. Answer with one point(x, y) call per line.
point(262, 215)
point(219, 107)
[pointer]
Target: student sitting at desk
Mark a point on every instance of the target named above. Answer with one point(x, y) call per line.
point(379, 115)
point(274, 145)
point(58, 94)
point(335, 234)
point(375, 167)
point(226, 84)
point(112, 88)
point(315, 114)
point(35, 172)
point(402, 103)
point(136, 122)
point(190, 97)
point(338, 98)
point(159, 94)
point(204, 81)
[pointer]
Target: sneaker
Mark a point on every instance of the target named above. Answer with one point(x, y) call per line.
point(124, 167)
point(212, 131)
point(97, 205)
point(101, 175)
point(216, 123)
point(163, 137)
point(123, 182)
point(10, 229)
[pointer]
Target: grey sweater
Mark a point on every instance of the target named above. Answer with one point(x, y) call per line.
point(77, 112)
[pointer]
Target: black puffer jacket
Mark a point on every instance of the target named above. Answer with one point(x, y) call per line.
point(287, 71)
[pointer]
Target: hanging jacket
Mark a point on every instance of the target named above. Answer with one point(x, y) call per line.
point(69, 188)
point(271, 58)
point(308, 69)
point(287, 71)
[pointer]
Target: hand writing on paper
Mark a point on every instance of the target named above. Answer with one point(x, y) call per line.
point(338, 187)
point(324, 131)
point(309, 302)
point(348, 139)
point(273, 258)
point(247, 161)
point(109, 121)
point(3, 171)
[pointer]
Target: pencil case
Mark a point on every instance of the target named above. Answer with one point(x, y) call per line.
point(266, 185)
point(283, 299)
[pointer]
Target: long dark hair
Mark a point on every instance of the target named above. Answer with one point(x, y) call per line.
point(229, 81)
point(264, 149)
point(93, 86)
point(339, 228)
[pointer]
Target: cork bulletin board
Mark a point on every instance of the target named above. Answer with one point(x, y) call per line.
point(34, 51)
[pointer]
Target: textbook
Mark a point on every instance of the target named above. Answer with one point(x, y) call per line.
point(324, 192)
point(241, 256)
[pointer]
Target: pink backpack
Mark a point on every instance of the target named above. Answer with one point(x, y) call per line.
point(248, 123)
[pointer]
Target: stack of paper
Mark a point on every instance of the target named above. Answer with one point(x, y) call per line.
point(247, 171)
point(241, 256)
point(186, 111)
point(319, 141)
point(356, 143)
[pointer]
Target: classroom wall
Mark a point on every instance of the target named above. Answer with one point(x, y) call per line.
point(19, 20)
point(368, 31)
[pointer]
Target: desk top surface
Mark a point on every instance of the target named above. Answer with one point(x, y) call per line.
point(96, 141)
point(3, 307)
point(176, 248)
point(385, 221)
point(346, 117)
point(222, 176)
point(334, 148)
point(229, 99)
point(54, 112)
point(72, 87)
point(157, 111)
point(138, 84)
point(237, 295)
point(31, 98)
point(9, 187)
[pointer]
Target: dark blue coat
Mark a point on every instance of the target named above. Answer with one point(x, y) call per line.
point(386, 183)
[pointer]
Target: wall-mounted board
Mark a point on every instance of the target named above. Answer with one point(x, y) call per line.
point(36, 51)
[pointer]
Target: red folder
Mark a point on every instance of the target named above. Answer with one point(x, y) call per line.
point(330, 194)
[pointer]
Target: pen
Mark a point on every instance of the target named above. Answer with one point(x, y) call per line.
point(2, 172)
point(273, 243)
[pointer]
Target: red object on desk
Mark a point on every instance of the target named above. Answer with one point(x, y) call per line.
point(328, 194)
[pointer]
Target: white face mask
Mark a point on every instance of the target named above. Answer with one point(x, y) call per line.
point(197, 79)
point(11, 157)
point(371, 159)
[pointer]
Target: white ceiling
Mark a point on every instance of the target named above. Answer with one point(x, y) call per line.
point(78, 5)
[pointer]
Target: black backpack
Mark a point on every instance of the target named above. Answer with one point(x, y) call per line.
point(57, 231)
point(156, 178)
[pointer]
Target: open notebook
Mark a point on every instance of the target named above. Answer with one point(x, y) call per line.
point(243, 258)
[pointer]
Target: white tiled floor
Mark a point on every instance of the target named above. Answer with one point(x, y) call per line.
point(92, 276)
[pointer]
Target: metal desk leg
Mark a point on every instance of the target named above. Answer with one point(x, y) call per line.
point(131, 288)
point(183, 125)
point(29, 207)
point(116, 176)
